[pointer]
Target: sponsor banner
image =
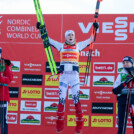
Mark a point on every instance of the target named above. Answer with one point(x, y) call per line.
point(101, 121)
point(51, 93)
point(119, 67)
point(96, 53)
point(103, 67)
point(116, 108)
point(31, 92)
point(82, 78)
point(50, 119)
point(29, 79)
point(102, 94)
point(12, 118)
point(82, 67)
point(103, 108)
point(28, 105)
point(13, 105)
point(54, 81)
point(103, 81)
point(85, 108)
point(84, 94)
point(16, 66)
point(32, 67)
point(30, 119)
point(14, 92)
point(48, 67)
point(50, 106)
point(129, 122)
point(114, 29)
point(71, 120)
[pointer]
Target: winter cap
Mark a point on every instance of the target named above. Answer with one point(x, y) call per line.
point(69, 32)
point(128, 58)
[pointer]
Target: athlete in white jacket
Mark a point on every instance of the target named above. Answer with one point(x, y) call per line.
point(69, 68)
point(122, 91)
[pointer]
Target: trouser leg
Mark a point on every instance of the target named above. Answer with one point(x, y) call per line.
point(3, 117)
point(79, 115)
point(122, 118)
point(60, 112)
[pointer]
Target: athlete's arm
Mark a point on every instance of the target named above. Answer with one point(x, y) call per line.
point(55, 44)
point(83, 44)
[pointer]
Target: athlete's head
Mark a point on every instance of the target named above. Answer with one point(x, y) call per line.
point(127, 62)
point(70, 37)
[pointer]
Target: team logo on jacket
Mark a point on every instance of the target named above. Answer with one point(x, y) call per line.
point(69, 56)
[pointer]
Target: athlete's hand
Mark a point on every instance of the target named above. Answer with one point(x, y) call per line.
point(96, 25)
point(129, 79)
point(38, 24)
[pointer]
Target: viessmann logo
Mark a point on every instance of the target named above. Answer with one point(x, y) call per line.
point(102, 95)
point(104, 67)
point(50, 120)
point(32, 67)
point(120, 26)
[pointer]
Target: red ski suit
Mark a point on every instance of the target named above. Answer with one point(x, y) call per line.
point(5, 78)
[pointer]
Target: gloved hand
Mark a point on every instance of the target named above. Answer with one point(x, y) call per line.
point(129, 79)
point(96, 25)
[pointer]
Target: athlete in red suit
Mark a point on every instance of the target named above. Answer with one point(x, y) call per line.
point(6, 77)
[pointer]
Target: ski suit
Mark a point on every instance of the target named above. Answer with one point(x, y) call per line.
point(5, 78)
point(69, 68)
point(121, 91)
